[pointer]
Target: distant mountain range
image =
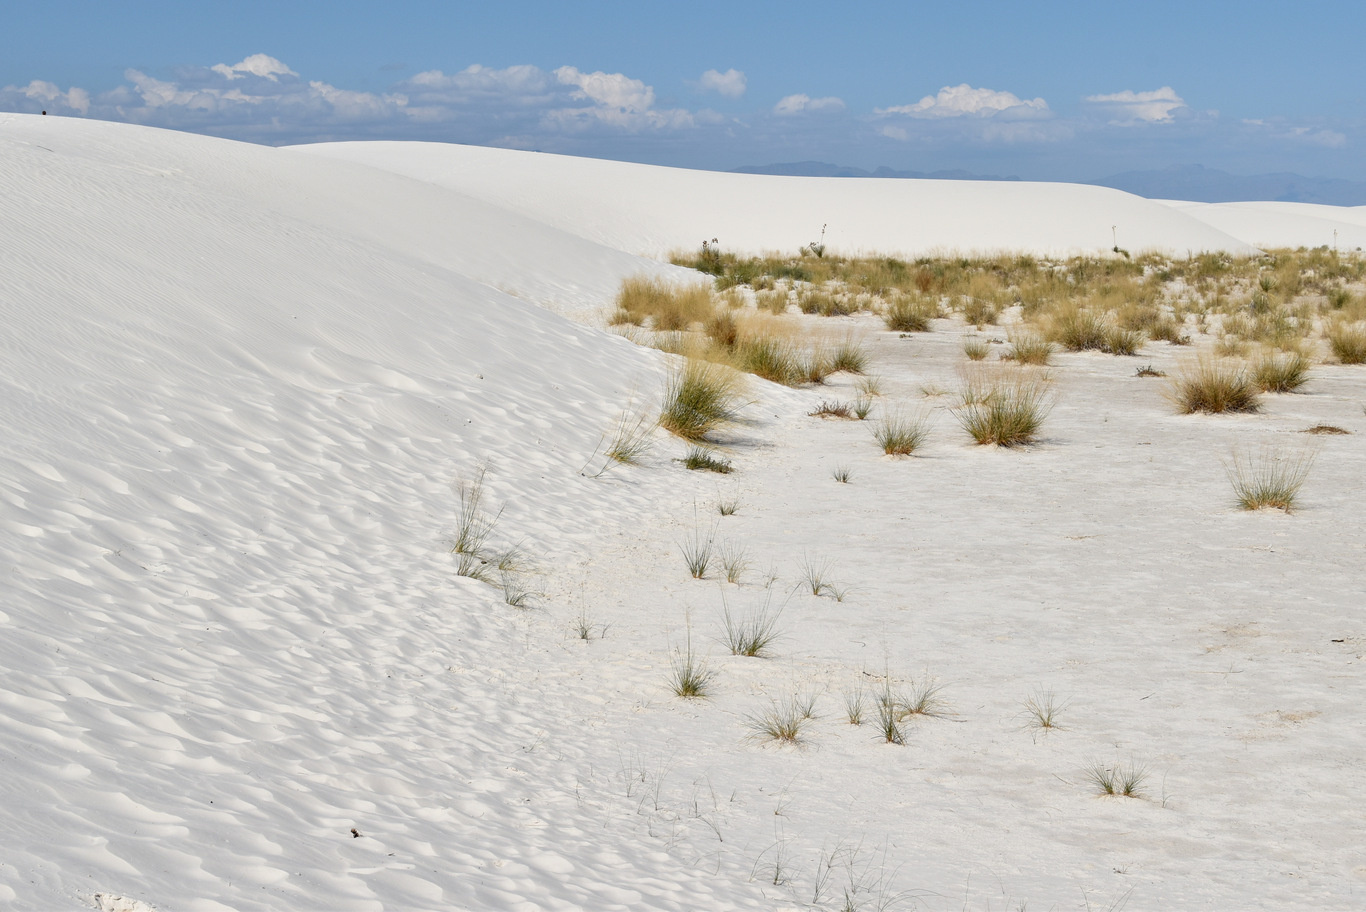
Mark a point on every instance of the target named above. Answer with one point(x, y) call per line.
point(1179, 182)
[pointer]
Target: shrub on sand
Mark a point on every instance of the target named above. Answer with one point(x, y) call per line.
point(699, 399)
point(689, 676)
point(848, 356)
point(1214, 386)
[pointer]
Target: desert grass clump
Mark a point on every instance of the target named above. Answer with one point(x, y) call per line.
point(922, 698)
point(699, 399)
point(1326, 429)
point(689, 677)
point(772, 358)
point(843, 474)
point(697, 550)
point(976, 348)
point(1272, 478)
point(751, 635)
point(850, 357)
point(734, 559)
point(869, 386)
point(1127, 780)
point(901, 435)
point(1030, 348)
point(1280, 372)
point(1009, 413)
point(832, 410)
point(703, 459)
point(1041, 711)
point(887, 704)
point(782, 722)
point(854, 700)
point(1348, 341)
point(665, 305)
point(473, 528)
point(815, 576)
point(910, 314)
point(1215, 386)
point(862, 406)
point(727, 505)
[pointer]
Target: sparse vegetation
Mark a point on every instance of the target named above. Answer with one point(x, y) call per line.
point(1030, 348)
point(843, 474)
point(1006, 410)
point(664, 305)
point(700, 398)
point(689, 676)
point(473, 528)
point(782, 722)
point(703, 459)
point(1041, 710)
point(1348, 341)
point(1215, 386)
point(1280, 372)
point(976, 348)
point(734, 560)
point(1126, 780)
point(1272, 478)
point(753, 634)
point(697, 551)
point(901, 435)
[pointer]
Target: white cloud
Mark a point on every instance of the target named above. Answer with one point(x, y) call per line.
point(731, 83)
point(256, 65)
point(805, 104)
point(74, 99)
point(1128, 107)
point(965, 101)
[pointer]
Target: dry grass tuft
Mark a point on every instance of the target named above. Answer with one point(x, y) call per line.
point(1326, 429)
point(1348, 341)
point(1215, 386)
point(665, 305)
point(976, 348)
point(901, 435)
point(1272, 478)
point(1029, 348)
point(1006, 411)
point(1280, 372)
point(1120, 779)
point(700, 398)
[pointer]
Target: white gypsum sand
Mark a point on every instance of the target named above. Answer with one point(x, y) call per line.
point(242, 387)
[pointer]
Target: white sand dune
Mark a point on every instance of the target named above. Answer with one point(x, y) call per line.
point(1273, 224)
point(238, 671)
point(625, 205)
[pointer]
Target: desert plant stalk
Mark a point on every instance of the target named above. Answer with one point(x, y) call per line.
point(734, 560)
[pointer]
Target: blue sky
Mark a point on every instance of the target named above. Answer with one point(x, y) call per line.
point(1042, 90)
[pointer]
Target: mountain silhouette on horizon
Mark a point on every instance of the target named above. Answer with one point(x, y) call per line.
point(1194, 183)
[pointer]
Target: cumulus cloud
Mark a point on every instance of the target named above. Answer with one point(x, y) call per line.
point(731, 83)
point(1128, 108)
point(256, 65)
point(262, 97)
point(48, 95)
point(965, 101)
point(805, 104)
